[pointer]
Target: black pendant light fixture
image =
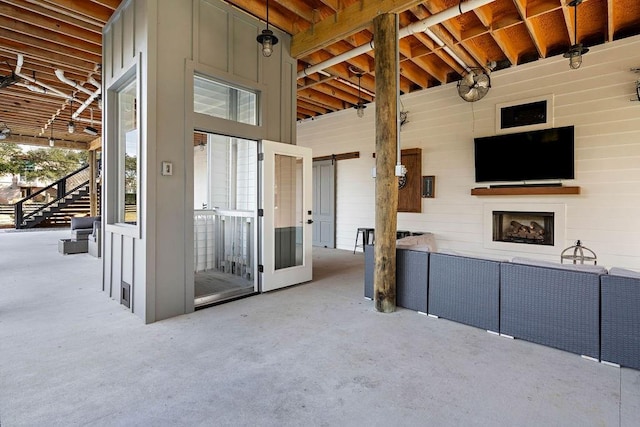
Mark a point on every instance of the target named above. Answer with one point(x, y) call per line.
point(71, 127)
point(52, 141)
point(577, 50)
point(360, 105)
point(267, 39)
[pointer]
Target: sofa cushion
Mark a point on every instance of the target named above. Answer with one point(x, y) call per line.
point(423, 242)
point(623, 272)
point(576, 267)
point(79, 222)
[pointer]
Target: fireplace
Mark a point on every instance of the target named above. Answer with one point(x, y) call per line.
point(531, 228)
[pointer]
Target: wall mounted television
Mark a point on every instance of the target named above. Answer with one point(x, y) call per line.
point(539, 155)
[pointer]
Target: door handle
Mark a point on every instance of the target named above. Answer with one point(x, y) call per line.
point(309, 221)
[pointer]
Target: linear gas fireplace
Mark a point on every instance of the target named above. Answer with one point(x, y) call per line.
point(532, 228)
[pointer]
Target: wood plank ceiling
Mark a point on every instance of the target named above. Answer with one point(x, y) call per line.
point(65, 35)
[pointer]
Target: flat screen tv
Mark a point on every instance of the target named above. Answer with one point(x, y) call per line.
point(539, 155)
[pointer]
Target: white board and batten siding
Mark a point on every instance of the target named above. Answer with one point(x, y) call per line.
point(595, 99)
point(165, 42)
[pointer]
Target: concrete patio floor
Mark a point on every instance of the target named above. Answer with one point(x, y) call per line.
point(314, 354)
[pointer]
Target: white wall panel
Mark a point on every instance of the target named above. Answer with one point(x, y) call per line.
point(594, 99)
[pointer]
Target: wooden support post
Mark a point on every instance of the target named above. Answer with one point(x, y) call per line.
point(385, 31)
point(93, 199)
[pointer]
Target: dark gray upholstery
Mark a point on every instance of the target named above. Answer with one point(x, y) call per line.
point(551, 306)
point(620, 324)
point(412, 269)
point(411, 277)
point(369, 263)
point(465, 290)
point(82, 226)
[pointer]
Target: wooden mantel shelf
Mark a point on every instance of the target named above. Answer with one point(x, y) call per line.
point(533, 190)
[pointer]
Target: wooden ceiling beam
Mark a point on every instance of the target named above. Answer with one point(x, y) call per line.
point(503, 42)
point(50, 24)
point(297, 8)
point(331, 4)
point(311, 83)
point(49, 12)
point(440, 53)
point(312, 107)
point(414, 73)
point(347, 21)
point(87, 9)
point(49, 46)
point(10, 46)
point(64, 41)
point(306, 112)
point(522, 10)
point(322, 98)
point(111, 4)
point(337, 93)
point(541, 7)
point(95, 144)
point(320, 104)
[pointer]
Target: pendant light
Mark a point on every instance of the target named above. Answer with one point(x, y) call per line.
point(267, 39)
point(71, 127)
point(52, 141)
point(90, 129)
point(577, 50)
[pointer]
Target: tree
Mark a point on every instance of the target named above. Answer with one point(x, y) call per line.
point(48, 164)
point(10, 162)
point(51, 164)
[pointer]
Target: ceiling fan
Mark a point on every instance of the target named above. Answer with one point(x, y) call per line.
point(474, 85)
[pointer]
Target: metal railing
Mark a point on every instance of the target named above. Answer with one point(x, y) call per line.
point(25, 208)
point(224, 242)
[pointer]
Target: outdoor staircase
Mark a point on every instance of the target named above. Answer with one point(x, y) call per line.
point(58, 212)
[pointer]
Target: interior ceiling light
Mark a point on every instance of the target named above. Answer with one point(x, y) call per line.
point(267, 39)
point(71, 127)
point(90, 129)
point(360, 105)
point(52, 141)
point(577, 50)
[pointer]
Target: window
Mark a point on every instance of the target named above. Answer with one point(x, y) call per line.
point(224, 101)
point(128, 177)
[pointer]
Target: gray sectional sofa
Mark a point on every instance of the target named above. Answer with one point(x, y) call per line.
point(620, 326)
point(557, 305)
point(582, 309)
point(464, 289)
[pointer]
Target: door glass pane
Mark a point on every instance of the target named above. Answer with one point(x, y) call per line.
point(288, 211)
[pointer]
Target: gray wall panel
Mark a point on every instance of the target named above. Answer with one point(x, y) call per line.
point(213, 26)
point(244, 52)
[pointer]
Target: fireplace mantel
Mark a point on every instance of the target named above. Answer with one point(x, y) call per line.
point(532, 190)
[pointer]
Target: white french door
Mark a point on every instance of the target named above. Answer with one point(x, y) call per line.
point(286, 224)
